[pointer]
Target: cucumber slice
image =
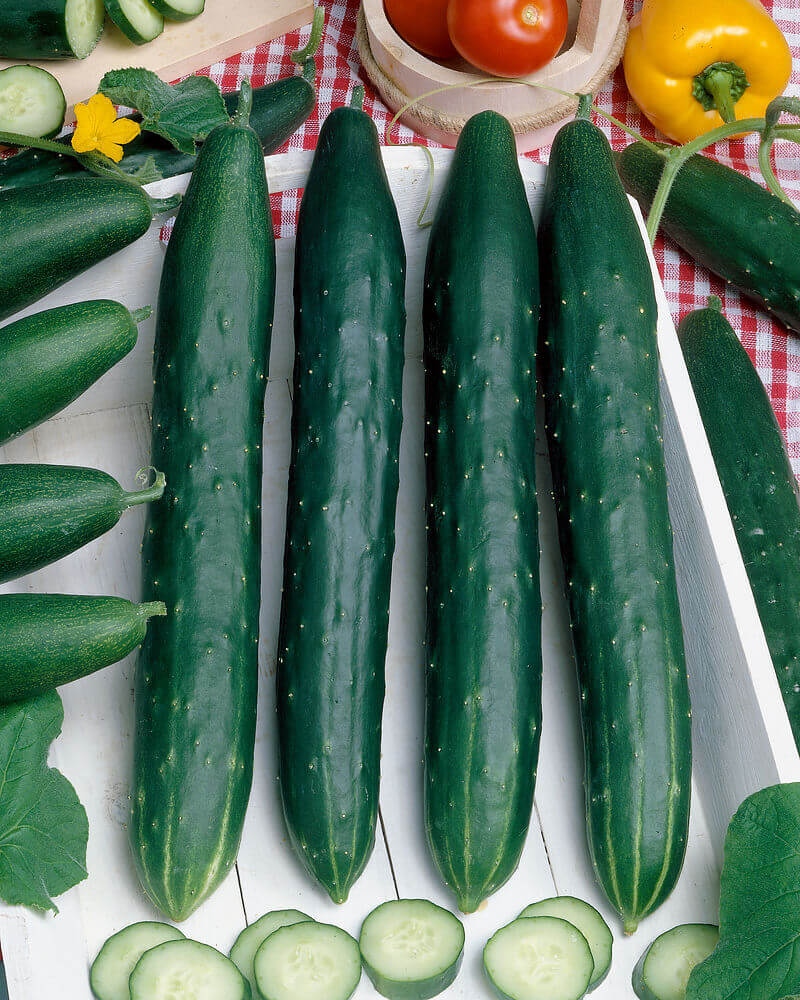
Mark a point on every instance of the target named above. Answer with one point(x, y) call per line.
point(307, 961)
point(411, 949)
point(179, 10)
point(136, 19)
point(187, 970)
point(250, 940)
point(539, 958)
point(31, 102)
point(589, 923)
point(664, 969)
point(118, 957)
point(83, 21)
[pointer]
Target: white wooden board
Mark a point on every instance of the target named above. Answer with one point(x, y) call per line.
point(742, 737)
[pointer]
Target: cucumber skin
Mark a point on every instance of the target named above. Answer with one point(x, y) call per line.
point(51, 358)
point(55, 231)
point(197, 673)
point(34, 29)
point(640, 987)
point(484, 672)
point(279, 109)
point(728, 224)
point(346, 422)
point(52, 639)
point(759, 484)
point(602, 414)
point(171, 14)
point(116, 13)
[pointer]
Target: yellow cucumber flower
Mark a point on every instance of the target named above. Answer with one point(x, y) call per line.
point(99, 128)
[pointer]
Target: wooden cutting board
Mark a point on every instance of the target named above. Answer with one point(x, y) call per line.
point(225, 28)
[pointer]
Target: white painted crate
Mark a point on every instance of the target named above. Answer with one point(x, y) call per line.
point(742, 737)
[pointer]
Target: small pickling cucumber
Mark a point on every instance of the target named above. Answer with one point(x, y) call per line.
point(664, 969)
point(117, 959)
point(186, 970)
point(48, 511)
point(307, 961)
point(50, 29)
point(179, 10)
point(589, 923)
point(411, 949)
point(31, 102)
point(250, 940)
point(539, 958)
point(138, 20)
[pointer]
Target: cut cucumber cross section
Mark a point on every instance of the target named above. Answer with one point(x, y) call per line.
point(179, 10)
point(589, 923)
point(250, 940)
point(118, 957)
point(83, 20)
point(187, 970)
point(31, 102)
point(539, 958)
point(411, 949)
point(138, 20)
point(664, 969)
point(307, 961)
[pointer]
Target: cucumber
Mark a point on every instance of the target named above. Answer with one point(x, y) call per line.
point(48, 511)
point(758, 482)
point(179, 10)
point(50, 29)
point(539, 958)
point(343, 481)
point(728, 224)
point(117, 959)
point(250, 940)
point(138, 20)
point(279, 109)
point(411, 949)
point(51, 358)
point(308, 961)
point(589, 923)
point(197, 675)
point(484, 671)
point(31, 102)
point(602, 415)
point(186, 970)
point(53, 232)
point(664, 969)
point(52, 639)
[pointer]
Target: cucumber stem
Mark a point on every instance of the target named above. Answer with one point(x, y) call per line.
point(160, 206)
point(715, 303)
point(584, 112)
point(301, 56)
point(357, 98)
point(309, 73)
point(140, 315)
point(154, 492)
point(241, 117)
point(153, 609)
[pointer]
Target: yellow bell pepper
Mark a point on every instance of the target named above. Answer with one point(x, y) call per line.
point(690, 64)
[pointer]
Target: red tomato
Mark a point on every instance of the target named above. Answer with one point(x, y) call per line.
point(508, 37)
point(423, 24)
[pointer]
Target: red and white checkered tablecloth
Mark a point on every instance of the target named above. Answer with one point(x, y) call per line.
point(775, 352)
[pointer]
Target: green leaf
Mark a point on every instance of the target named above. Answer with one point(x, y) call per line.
point(183, 114)
point(43, 826)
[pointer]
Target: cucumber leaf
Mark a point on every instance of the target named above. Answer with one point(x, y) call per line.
point(183, 113)
point(43, 826)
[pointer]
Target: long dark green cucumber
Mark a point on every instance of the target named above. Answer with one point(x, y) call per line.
point(52, 639)
point(197, 674)
point(728, 224)
point(48, 511)
point(484, 672)
point(346, 420)
point(279, 109)
point(37, 29)
point(758, 482)
point(55, 231)
point(49, 359)
point(602, 412)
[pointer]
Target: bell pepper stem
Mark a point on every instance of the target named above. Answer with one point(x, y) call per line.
point(718, 85)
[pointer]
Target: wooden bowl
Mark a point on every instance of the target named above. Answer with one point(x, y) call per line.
point(593, 49)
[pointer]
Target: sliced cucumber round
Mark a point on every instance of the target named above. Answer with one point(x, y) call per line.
point(664, 969)
point(539, 958)
point(411, 949)
point(250, 940)
point(179, 10)
point(83, 20)
point(118, 957)
point(307, 961)
point(187, 970)
point(31, 102)
point(138, 20)
point(589, 923)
